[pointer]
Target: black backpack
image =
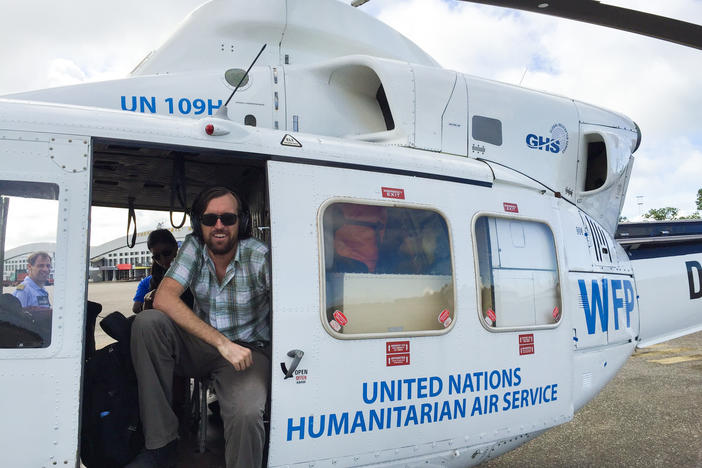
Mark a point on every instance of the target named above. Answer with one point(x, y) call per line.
point(111, 433)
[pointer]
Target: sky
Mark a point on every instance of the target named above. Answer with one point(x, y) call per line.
point(48, 43)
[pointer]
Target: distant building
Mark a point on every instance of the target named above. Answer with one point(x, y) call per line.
point(111, 261)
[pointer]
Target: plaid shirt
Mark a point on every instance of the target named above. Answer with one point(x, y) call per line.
point(239, 307)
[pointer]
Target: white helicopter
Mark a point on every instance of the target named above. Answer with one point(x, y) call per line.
point(494, 304)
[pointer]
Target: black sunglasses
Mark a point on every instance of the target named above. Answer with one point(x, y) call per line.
point(164, 254)
point(210, 219)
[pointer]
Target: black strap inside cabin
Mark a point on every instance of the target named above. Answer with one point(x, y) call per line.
point(178, 189)
point(131, 216)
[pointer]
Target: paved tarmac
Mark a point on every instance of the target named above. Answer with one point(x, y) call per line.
point(113, 295)
point(650, 415)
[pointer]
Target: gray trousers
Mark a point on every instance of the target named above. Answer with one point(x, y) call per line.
point(161, 348)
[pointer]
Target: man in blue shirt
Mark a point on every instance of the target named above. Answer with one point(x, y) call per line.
point(163, 247)
point(31, 292)
point(142, 289)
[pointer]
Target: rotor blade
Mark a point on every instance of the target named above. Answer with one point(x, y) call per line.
point(591, 11)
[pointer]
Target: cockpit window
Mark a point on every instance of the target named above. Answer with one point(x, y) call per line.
point(387, 270)
point(28, 222)
point(518, 283)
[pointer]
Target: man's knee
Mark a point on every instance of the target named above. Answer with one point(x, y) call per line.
point(241, 406)
point(148, 322)
point(246, 417)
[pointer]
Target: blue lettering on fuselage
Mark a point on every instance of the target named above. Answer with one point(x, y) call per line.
point(543, 143)
point(596, 302)
point(169, 105)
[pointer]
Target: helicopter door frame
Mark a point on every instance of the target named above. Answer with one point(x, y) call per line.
point(41, 385)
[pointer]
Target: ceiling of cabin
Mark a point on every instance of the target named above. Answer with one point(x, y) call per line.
point(147, 174)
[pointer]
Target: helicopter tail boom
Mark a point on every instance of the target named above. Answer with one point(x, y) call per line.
point(667, 262)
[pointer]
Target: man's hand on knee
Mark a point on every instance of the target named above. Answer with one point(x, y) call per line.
point(239, 356)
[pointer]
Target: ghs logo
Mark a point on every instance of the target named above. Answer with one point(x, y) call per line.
point(556, 143)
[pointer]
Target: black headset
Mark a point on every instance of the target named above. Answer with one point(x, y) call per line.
point(199, 205)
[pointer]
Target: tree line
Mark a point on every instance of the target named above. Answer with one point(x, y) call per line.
point(669, 213)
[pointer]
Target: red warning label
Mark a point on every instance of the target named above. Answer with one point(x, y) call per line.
point(396, 193)
point(340, 318)
point(444, 315)
point(526, 344)
point(510, 207)
point(491, 315)
point(397, 353)
point(526, 339)
point(397, 360)
point(394, 347)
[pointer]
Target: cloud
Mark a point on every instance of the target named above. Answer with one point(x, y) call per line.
point(64, 72)
point(104, 40)
point(653, 82)
point(669, 174)
point(29, 221)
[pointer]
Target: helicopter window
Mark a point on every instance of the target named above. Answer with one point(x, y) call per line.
point(487, 130)
point(518, 278)
point(250, 120)
point(236, 77)
point(387, 270)
point(28, 226)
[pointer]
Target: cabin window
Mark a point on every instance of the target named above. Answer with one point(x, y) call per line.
point(518, 283)
point(487, 129)
point(28, 226)
point(387, 271)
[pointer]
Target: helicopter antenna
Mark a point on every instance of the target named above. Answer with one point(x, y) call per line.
point(523, 75)
point(245, 75)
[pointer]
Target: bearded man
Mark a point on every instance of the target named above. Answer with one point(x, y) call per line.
point(228, 339)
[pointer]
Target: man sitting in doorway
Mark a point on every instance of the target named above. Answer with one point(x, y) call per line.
point(228, 273)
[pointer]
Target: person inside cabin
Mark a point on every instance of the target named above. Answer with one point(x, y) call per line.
point(356, 241)
point(163, 247)
point(435, 247)
point(415, 243)
point(228, 272)
point(30, 291)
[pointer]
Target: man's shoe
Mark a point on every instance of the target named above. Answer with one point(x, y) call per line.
point(164, 457)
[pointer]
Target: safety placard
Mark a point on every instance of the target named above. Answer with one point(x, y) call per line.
point(397, 353)
point(510, 207)
point(526, 344)
point(396, 193)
